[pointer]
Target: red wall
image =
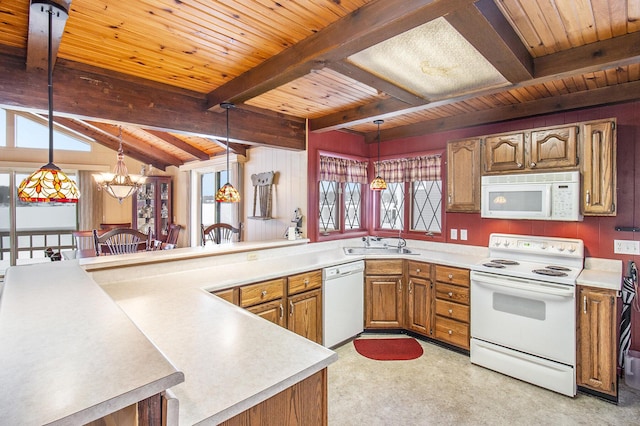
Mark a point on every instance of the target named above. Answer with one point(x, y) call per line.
point(597, 233)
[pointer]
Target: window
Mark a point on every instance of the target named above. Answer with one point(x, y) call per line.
point(211, 211)
point(3, 127)
point(340, 194)
point(31, 134)
point(420, 178)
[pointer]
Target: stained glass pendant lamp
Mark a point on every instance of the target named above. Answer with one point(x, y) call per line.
point(378, 184)
point(49, 184)
point(227, 194)
point(119, 184)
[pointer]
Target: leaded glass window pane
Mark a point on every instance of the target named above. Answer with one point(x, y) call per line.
point(329, 217)
point(392, 206)
point(352, 203)
point(426, 206)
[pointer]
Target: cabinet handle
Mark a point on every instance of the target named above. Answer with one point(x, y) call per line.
point(281, 311)
point(519, 165)
point(399, 286)
point(450, 311)
point(450, 294)
point(532, 165)
point(450, 332)
point(264, 293)
point(588, 197)
point(417, 270)
point(410, 284)
point(306, 282)
point(450, 276)
point(290, 308)
point(449, 198)
point(584, 304)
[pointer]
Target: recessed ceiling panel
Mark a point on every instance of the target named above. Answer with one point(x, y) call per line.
point(432, 61)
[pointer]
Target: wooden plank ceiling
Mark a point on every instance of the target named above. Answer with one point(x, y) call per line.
point(160, 68)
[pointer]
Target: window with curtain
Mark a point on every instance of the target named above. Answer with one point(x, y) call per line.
point(340, 194)
point(419, 180)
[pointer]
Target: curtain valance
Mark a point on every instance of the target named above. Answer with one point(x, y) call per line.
point(343, 170)
point(410, 169)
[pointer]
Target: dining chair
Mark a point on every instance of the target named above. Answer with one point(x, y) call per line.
point(110, 226)
point(120, 241)
point(220, 233)
point(172, 239)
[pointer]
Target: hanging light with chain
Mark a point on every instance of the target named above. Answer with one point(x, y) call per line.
point(227, 193)
point(378, 184)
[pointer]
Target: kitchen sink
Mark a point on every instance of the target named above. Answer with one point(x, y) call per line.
point(377, 250)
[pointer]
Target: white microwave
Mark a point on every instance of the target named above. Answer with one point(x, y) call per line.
point(538, 196)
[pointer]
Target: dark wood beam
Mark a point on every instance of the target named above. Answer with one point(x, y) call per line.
point(179, 143)
point(38, 38)
point(613, 94)
point(363, 28)
point(100, 95)
point(110, 141)
point(236, 148)
point(592, 57)
point(358, 74)
point(486, 29)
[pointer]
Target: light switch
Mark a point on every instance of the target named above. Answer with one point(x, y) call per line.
point(454, 234)
point(463, 234)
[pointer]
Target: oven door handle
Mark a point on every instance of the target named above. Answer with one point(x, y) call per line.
point(522, 285)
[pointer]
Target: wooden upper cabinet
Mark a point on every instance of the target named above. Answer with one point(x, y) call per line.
point(504, 153)
point(553, 148)
point(599, 168)
point(463, 175)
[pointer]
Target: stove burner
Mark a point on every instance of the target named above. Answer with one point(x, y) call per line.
point(549, 272)
point(504, 262)
point(493, 265)
point(558, 268)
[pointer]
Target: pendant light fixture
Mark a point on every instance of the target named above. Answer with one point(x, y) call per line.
point(119, 184)
point(227, 194)
point(49, 184)
point(378, 184)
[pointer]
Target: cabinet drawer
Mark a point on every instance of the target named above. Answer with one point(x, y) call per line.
point(451, 331)
point(384, 267)
point(303, 282)
point(420, 269)
point(452, 310)
point(265, 291)
point(448, 274)
point(452, 293)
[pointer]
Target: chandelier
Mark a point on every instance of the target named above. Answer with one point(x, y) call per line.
point(119, 184)
point(49, 183)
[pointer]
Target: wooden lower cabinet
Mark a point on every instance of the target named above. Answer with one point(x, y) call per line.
point(596, 365)
point(419, 300)
point(305, 315)
point(383, 294)
point(452, 306)
point(304, 403)
point(271, 311)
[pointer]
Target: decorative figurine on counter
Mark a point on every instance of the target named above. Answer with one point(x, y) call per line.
point(295, 232)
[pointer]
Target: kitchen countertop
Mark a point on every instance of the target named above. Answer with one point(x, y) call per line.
point(601, 273)
point(69, 355)
point(228, 355)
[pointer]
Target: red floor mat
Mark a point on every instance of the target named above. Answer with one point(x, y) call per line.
point(389, 349)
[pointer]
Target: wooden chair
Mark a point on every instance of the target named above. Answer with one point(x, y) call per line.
point(172, 238)
point(220, 233)
point(110, 226)
point(120, 241)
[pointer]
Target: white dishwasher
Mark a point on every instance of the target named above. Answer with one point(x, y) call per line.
point(343, 302)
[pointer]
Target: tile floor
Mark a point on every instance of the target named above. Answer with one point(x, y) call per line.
point(443, 388)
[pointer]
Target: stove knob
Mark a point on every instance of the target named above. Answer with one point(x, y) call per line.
point(543, 246)
point(572, 248)
point(497, 243)
point(506, 243)
point(561, 247)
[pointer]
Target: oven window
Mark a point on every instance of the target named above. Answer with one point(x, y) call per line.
point(518, 201)
point(520, 306)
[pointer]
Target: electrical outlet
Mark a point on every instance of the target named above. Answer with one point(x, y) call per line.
point(454, 234)
point(463, 234)
point(252, 256)
point(626, 247)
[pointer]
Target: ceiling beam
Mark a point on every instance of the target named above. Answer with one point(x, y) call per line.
point(236, 148)
point(614, 94)
point(38, 38)
point(110, 141)
point(486, 29)
point(100, 95)
point(363, 28)
point(179, 143)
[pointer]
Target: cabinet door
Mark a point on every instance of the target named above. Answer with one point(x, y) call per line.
point(271, 311)
point(152, 207)
point(383, 302)
point(596, 363)
point(553, 148)
point(419, 312)
point(504, 153)
point(305, 315)
point(230, 295)
point(463, 176)
point(599, 168)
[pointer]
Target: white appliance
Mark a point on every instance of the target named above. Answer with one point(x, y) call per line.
point(523, 314)
point(342, 302)
point(542, 196)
